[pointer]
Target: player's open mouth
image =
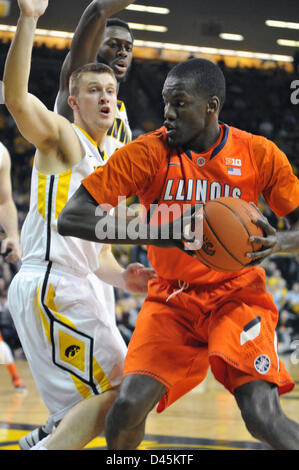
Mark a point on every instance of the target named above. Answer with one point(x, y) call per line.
point(105, 110)
point(121, 66)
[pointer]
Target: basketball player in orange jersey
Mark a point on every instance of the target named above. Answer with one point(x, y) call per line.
point(69, 336)
point(10, 249)
point(194, 318)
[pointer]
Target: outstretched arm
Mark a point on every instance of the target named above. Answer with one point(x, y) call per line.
point(47, 131)
point(32, 118)
point(134, 278)
point(8, 213)
point(85, 45)
point(83, 218)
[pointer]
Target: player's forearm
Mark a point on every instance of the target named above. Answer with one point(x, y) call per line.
point(90, 30)
point(9, 219)
point(95, 225)
point(110, 271)
point(88, 224)
point(17, 66)
point(288, 241)
point(83, 218)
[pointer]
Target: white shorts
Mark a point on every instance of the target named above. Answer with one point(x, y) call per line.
point(72, 344)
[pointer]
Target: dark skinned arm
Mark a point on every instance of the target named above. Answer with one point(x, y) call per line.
point(83, 218)
point(85, 45)
point(285, 241)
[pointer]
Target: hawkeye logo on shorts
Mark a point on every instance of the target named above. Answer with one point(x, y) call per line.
point(262, 363)
point(72, 351)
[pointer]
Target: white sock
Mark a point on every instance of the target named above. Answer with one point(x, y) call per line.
point(40, 444)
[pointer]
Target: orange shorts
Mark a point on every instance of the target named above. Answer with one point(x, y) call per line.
point(229, 326)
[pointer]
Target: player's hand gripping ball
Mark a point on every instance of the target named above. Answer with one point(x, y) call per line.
point(226, 230)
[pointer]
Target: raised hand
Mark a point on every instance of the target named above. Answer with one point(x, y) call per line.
point(33, 8)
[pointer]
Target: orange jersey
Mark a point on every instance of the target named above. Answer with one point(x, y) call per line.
point(239, 164)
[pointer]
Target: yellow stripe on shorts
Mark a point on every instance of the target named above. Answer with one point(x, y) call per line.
point(100, 376)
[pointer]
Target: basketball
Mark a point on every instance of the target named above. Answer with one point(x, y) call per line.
point(227, 227)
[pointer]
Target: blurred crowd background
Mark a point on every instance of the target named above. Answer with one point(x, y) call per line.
point(258, 101)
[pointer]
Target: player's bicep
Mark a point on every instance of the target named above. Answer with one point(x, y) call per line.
point(36, 123)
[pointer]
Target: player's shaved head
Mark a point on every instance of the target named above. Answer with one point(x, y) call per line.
point(207, 77)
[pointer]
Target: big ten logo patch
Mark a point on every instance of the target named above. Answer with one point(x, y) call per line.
point(233, 161)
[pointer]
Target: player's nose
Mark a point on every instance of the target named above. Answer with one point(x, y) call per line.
point(105, 97)
point(122, 51)
point(169, 112)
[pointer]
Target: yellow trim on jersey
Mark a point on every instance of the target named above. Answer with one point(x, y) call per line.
point(87, 136)
point(52, 306)
point(100, 376)
point(105, 156)
point(62, 191)
point(41, 191)
point(121, 105)
point(83, 389)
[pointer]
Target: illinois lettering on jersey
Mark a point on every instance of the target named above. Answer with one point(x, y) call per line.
point(239, 164)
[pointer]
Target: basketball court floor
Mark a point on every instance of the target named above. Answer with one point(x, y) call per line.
point(207, 418)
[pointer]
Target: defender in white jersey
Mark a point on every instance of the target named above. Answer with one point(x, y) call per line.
point(105, 40)
point(71, 342)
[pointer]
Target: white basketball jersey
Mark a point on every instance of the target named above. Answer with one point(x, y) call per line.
point(40, 240)
point(119, 133)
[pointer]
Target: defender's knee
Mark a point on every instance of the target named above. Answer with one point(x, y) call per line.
point(137, 396)
point(128, 412)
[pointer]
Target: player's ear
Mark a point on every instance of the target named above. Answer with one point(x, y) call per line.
point(213, 105)
point(72, 102)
